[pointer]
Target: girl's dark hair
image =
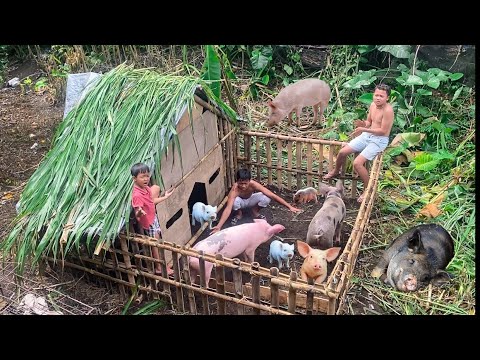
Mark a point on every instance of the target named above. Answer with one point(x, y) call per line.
point(243, 174)
point(139, 168)
point(383, 87)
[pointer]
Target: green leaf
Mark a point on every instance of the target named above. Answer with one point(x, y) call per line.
point(424, 92)
point(457, 93)
point(364, 49)
point(413, 138)
point(399, 51)
point(425, 162)
point(366, 98)
point(414, 80)
point(455, 76)
point(212, 70)
point(259, 61)
point(288, 69)
point(343, 137)
point(433, 82)
point(363, 78)
point(265, 79)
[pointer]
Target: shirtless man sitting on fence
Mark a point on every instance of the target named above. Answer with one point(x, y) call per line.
point(373, 139)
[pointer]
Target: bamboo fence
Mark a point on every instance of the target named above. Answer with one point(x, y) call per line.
point(239, 287)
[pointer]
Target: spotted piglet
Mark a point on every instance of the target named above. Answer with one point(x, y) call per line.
point(327, 222)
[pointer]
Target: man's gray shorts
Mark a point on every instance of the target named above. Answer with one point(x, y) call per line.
point(256, 199)
point(369, 145)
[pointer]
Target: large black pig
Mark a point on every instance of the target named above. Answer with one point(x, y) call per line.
point(417, 257)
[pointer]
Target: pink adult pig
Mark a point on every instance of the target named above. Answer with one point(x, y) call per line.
point(232, 242)
point(294, 97)
point(315, 264)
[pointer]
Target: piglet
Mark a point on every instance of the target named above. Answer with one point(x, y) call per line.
point(315, 264)
point(303, 196)
point(234, 241)
point(417, 257)
point(294, 97)
point(327, 222)
point(282, 252)
point(202, 213)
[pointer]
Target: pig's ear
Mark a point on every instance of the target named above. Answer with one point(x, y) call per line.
point(203, 207)
point(441, 278)
point(323, 189)
point(274, 229)
point(303, 248)
point(339, 186)
point(270, 103)
point(215, 209)
point(332, 253)
point(415, 243)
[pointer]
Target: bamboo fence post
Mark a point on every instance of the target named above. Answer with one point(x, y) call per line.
point(269, 160)
point(255, 287)
point(298, 151)
point(330, 162)
point(247, 148)
point(309, 163)
point(289, 164)
point(163, 267)
point(257, 152)
point(354, 178)
point(228, 150)
point(279, 164)
point(237, 150)
point(309, 305)
point(179, 289)
point(126, 259)
point(203, 285)
point(224, 152)
point(190, 293)
point(320, 162)
point(220, 279)
point(274, 301)
point(237, 281)
point(292, 293)
point(231, 154)
point(331, 306)
point(118, 274)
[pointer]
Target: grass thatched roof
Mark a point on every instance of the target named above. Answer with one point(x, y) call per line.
point(83, 186)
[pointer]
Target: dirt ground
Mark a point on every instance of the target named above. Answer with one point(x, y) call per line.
point(27, 124)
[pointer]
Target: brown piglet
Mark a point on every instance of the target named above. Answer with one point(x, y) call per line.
point(303, 196)
point(294, 97)
point(315, 264)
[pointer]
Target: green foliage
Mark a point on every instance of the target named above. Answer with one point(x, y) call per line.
point(212, 70)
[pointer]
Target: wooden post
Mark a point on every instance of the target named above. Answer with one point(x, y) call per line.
point(237, 281)
point(274, 302)
point(190, 293)
point(292, 294)
point(298, 151)
point(279, 164)
point(179, 289)
point(320, 162)
point(330, 161)
point(255, 287)
point(331, 306)
point(354, 177)
point(257, 148)
point(203, 285)
point(247, 148)
point(126, 259)
point(268, 148)
point(118, 274)
point(163, 266)
point(309, 305)
point(309, 163)
point(289, 164)
point(220, 277)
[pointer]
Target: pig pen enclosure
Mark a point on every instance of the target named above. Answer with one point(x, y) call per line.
point(212, 148)
point(283, 164)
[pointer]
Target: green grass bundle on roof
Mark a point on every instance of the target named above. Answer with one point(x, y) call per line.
point(83, 186)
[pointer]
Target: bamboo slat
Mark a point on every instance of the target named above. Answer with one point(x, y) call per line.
point(298, 154)
point(289, 172)
point(309, 163)
point(268, 148)
point(320, 162)
point(179, 289)
point(190, 293)
point(257, 152)
point(237, 281)
point(330, 162)
point(279, 164)
point(220, 279)
point(248, 149)
point(292, 294)
point(203, 283)
point(291, 138)
point(354, 178)
point(274, 289)
point(255, 287)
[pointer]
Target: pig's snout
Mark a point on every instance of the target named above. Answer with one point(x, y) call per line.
point(290, 256)
point(317, 266)
point(410, 283)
